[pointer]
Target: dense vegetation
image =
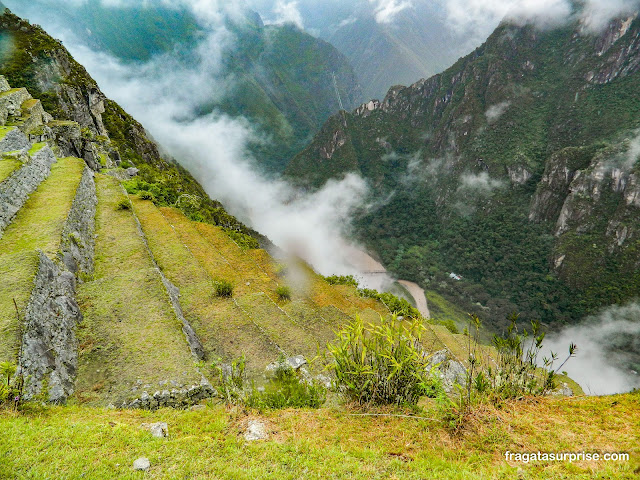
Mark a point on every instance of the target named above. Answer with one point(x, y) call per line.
point(456, 160)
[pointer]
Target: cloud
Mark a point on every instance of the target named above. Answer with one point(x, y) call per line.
point(288, 12)
point(386, 10)
point(478, 18)
point(608, 356)
point(480, 183)
point(494, 112)
point(633, 153)
point(597, 13)
point(314, 226)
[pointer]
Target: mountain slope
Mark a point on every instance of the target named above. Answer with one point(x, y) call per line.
point(416, 44)
point(278, 77)
point(111, 273)
point(508, 169)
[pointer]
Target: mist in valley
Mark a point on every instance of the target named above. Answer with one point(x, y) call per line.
point(165, 94)
point(607, 360)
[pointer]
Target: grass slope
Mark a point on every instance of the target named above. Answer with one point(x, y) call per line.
point(222, 327)
point(130, 332)
point(325, 443)
point(38, 225)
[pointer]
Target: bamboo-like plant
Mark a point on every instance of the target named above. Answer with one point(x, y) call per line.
point(382, 363)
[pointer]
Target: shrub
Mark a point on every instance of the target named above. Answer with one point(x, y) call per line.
point(342, 280)
point(514, 374)
point(244, 241)
point(144, 195)
point(518, 371)
point(286, 390)
point(223, 288)
point(397, 306)
point(230, 380)
point(10, 385)
point(450, 325)
point(123, 204)
point(382, 364)
point(284, 292)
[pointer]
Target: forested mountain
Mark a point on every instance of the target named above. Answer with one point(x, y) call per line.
point(515, 169)
point(277, 76)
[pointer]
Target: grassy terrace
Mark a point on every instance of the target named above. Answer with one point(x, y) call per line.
point(4, 131)
point(36, 148)
point(327, 443)
point(38, 225)
point(8, 165)
point(130, 332)
point(286, 332)
point(29, 104)
point(224, 330)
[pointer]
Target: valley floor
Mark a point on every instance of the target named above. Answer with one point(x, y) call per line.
point(337, 442)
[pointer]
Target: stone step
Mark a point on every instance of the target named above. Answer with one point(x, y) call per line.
point(16, 189)
point(130, 336)
point(4, 85)
point(67, 136)
point(33, 121)
point(11, 102)
point(38, 226)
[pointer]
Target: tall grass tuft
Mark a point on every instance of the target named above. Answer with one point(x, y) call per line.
point(382, 364)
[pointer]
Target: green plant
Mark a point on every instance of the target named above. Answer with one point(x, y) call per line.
point(283, 292)
point(144, 195)
point(381, 364)
point(286, 390)
point(230, 380)
point(450, 325)
point(397, 306)
point(11, 385)
point(342, 280)
point(518, 371)
point(123, 204)
point(223, 288)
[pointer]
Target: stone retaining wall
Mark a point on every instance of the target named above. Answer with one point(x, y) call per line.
point(78, 235)
point(15, 190)
point(49, 352)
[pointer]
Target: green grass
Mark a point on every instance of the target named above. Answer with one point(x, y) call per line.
point(8, 165)
point(72, 442)
point(285, 331)
point(38, 225)
point(130, 331)
point(29, 104)
point(36, 148)
point(221, 326)
point(4, 131)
